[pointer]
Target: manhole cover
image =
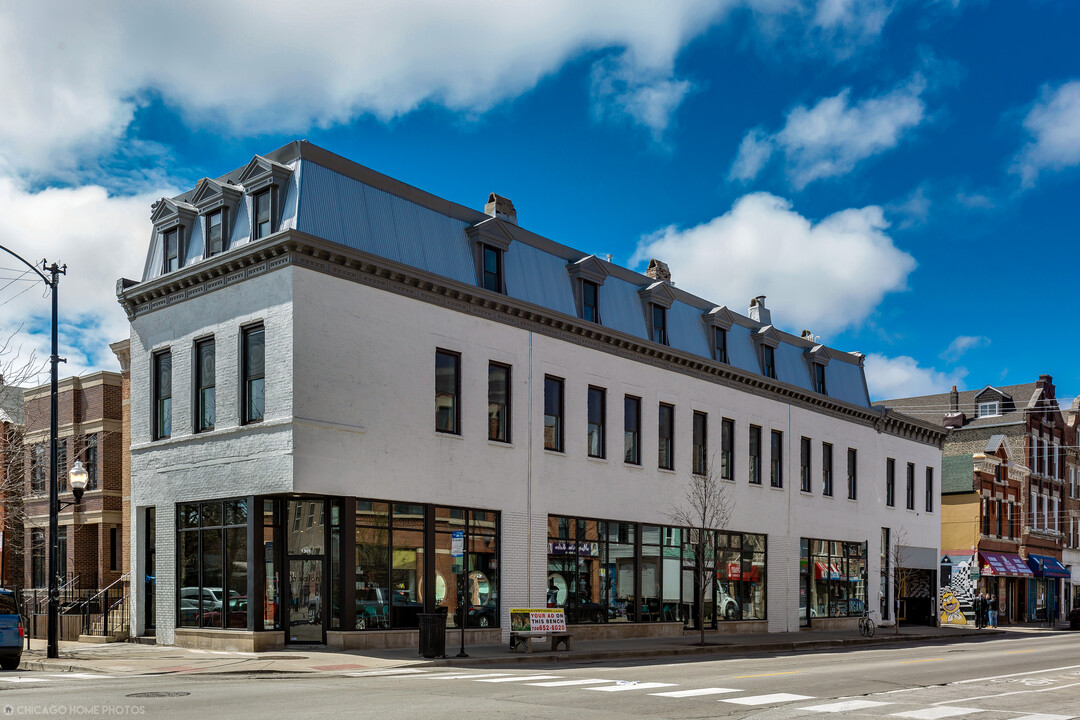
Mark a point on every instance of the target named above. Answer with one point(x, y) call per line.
point(280, 657)
point(159, 694)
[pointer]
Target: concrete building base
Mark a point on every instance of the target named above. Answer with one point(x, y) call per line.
point(231, 640)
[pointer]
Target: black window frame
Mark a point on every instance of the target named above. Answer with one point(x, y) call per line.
point(700, 459)
point(499, 411)
point(853, 473)
point(658, 324)
point(493, 280)
point(39, 469)
point(754, 455)
point(201, 385)
point(768, 361)
point(805, 453)
point(597, 419)
point(161, 430)
point(720, 353)
point(727, 449)
point(90, 461)
point(256, 226)
point(171, 250)
point(558, 437)
point(455, 395)
point(590, 308)
point(910, 496)
point(827, 469)
point(929, 489)
point(669, 440)
point(819, 379)
point(248, 376)
point(632, 429)
point(890, 482)
point(776, 459)
point(219, 214)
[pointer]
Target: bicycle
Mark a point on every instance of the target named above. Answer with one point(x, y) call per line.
point(866, 624)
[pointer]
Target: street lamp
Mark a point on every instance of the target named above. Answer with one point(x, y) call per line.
point(52, 280)
point(78, 478)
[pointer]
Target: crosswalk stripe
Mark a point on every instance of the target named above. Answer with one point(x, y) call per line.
point(23, 679)
point(519, 678)
point(935, 712)
point(767, 699)
point(83, 676)
point(459, 676)
point(569, 683)
point(632, 686)
point(846, 706)
point(694, 693)
point(1045, 716)
point(382, 673)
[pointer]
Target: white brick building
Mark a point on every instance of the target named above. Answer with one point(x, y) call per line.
point(319, 404)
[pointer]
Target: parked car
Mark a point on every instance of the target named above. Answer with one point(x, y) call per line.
point(237, 617)
point(211, 597)
point(485, 615)
point(189, 611)
point(12, 633)
point(374, 609)
point(1074, 618)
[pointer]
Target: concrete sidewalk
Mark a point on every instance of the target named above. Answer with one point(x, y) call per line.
point(117, 659)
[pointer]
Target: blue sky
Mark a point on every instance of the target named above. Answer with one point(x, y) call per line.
point(898, 176)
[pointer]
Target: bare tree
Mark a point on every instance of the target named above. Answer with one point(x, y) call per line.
point(705, 508)
point(902, 575)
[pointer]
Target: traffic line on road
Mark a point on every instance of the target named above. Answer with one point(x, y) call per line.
point(1045, 716)
point(384, 673)
point(520, 678)
point(570, 683)
point(846, 706)
point(83, 676)
point(1014, 652)
point(460, 676)
point(767, 699)
point(1000, 677)
point(935, 713)
point(791, 672)
point(694, 693)
point(23, 679)
point(621, 686)
point(908, 662)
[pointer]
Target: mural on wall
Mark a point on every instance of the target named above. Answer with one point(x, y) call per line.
point(957, 591)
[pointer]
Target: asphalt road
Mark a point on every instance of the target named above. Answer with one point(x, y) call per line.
point(1034, 677)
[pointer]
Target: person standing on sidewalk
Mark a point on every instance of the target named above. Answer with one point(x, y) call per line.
point(978, 610)
point(992, 605)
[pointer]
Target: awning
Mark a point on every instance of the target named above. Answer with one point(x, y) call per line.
point(1003, 565)
point(826, 572)
point(1046, 566)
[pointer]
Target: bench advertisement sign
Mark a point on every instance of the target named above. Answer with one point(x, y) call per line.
point(533, 620)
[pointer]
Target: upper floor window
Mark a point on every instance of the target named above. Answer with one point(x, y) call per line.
point(39, 468)
point(491, 260)
point(804, 464)
point(911, 486)
point(666, 455)
point(929, 489)
point(553, 413)
point(597, 400)
point(989, 409)
point(852, 477)
point(172, 250)
point(890, 482)
point(727, 449)
point(819, 379)
point(826, 469)
point(215, 237)
point(162, 394)
point(701, 433)
point(262, 224)
point(90, 460)
point(776, 459)
point(659, 324)
point(498, 402)
point(447, 391)
point(768, 361)
point(253, 387)
point(755, 455)
point(632, 430)
point(590, 301)
point(205, 385)
point(720, 353)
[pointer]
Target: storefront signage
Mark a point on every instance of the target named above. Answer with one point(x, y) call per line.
point(531, 620)
point(1003, 565)
point(572, 547)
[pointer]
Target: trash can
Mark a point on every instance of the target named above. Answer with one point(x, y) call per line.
point(433, 633)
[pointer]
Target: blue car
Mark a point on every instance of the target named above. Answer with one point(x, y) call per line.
point(12, 634)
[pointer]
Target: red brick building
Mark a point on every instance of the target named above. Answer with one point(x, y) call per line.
point(11, 412)
point(90, 539)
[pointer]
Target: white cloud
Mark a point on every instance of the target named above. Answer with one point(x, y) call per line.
point(832, 137)
point(648, 96)
point(897, 377)
point(914, 209)
point(100, 238)
point(961, 344)
point(1054, 126)
point(825, 276)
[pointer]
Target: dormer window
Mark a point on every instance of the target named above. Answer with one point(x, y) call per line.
point(214, 234)
point(172, 250)
point(819, 379)
point(989, 409)
point(590, 301)
point(717, 323)
point(658, 331)
point(768, 361)
point(261, 211)
point(720, 345)
point(491, 258)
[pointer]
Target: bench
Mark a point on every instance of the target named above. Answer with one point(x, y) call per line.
point(518, 639)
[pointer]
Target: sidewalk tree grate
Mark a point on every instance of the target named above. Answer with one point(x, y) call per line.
point(159, 694)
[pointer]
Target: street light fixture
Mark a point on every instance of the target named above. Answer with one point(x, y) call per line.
point(78, 478)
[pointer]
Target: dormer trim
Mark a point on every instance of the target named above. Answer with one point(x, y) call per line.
point(767, 335)
point(819, 354)
point(719, 317)
point(211, 195)
point(990, 388)
point(491, 231)
point(588, 268)
point(658, 293)
point(262, 173)
point(166, 214)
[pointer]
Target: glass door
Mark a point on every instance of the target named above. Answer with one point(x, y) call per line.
point(306, 592)
point(150, 576)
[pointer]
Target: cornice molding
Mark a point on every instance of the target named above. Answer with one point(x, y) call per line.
point(293, 248)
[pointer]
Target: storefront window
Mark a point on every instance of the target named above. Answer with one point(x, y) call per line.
point(836, 573)
point(407, 567)
point(213, 563)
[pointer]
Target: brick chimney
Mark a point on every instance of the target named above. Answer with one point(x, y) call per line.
point(758, 311)
point(500, 207)
point(658, 270)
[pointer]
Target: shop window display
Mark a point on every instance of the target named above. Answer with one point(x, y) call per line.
point(213, 562)
point(836, 574)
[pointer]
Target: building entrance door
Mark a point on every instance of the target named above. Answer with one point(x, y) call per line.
point(305, 609)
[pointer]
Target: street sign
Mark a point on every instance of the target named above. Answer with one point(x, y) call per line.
point(457, 550)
